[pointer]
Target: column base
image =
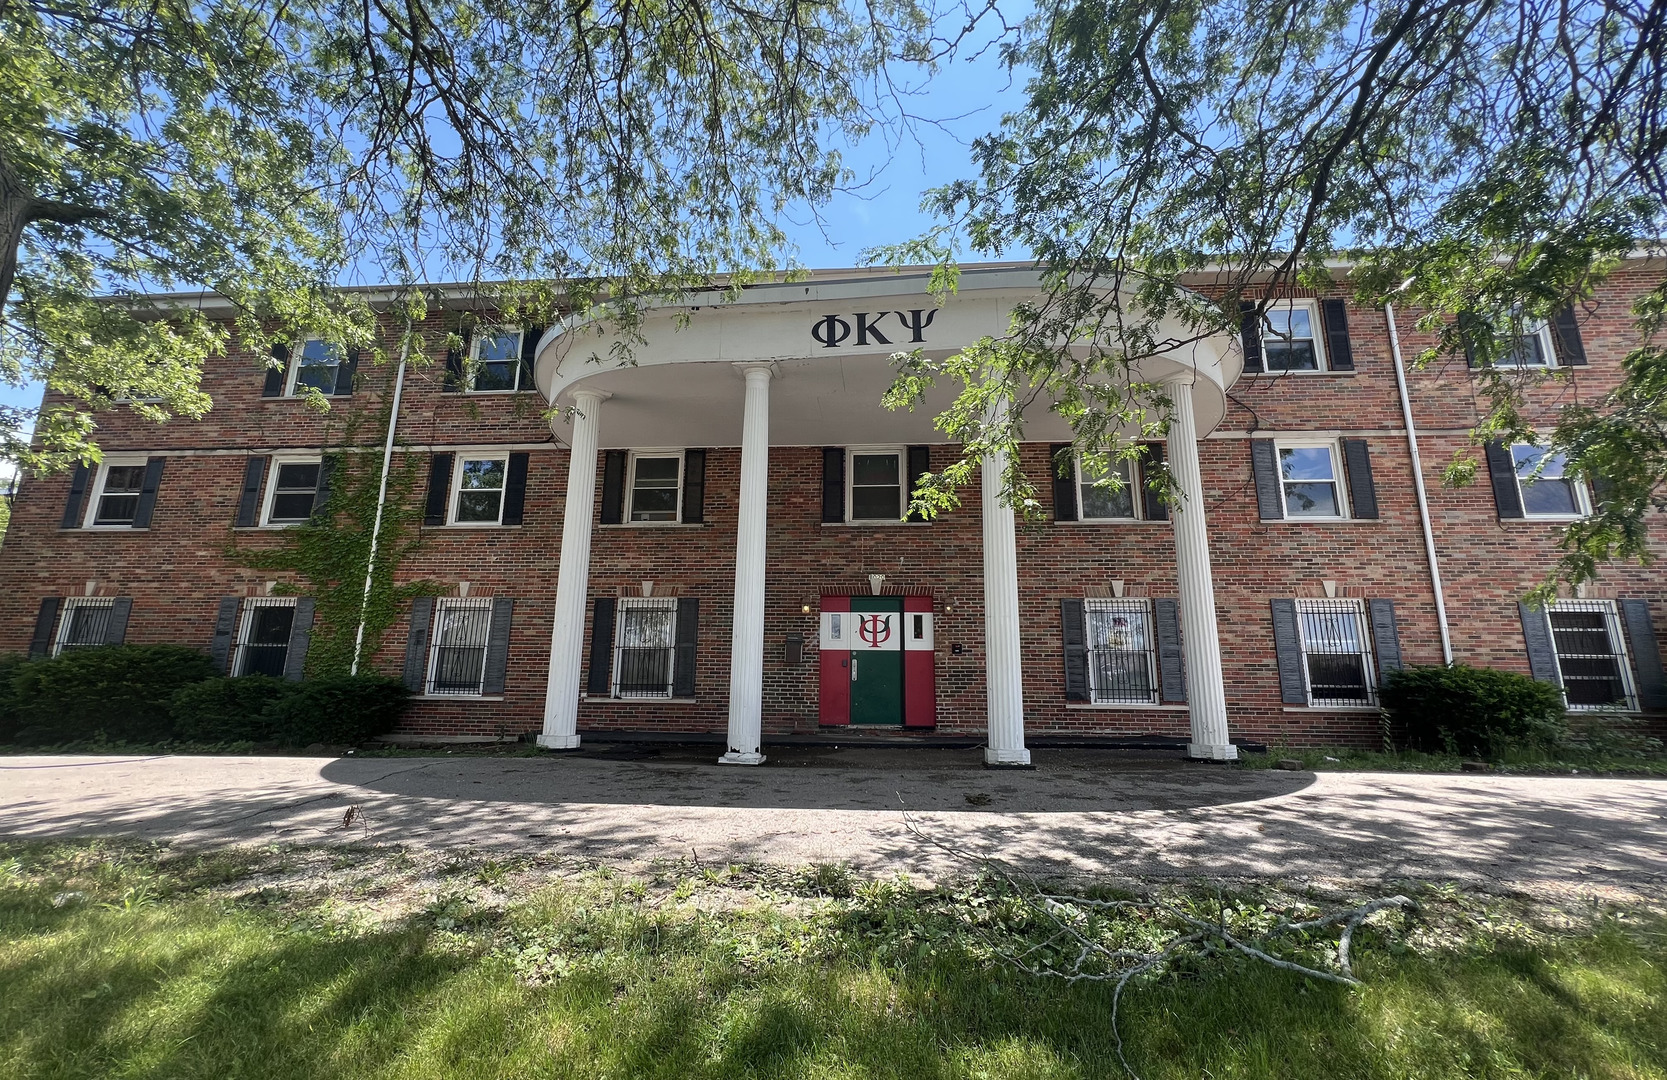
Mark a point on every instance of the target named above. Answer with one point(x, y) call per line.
point(1212, 752)
point(737, 757)
point(558, 742)
point(1007, 759)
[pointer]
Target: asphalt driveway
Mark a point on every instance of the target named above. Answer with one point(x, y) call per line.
point(1099, 811)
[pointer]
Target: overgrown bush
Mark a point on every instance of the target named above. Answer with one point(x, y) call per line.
point(122, 692)
point(338, 709)
point(9, 663)
point(1460, 709)
point(230, 710)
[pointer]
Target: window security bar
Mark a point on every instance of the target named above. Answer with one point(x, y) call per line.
point(85, 623)
point(1591, 655)
point(263, 636)
point(1336, 652)
point(1121, 652)
point(644, 646)
point(458, 658)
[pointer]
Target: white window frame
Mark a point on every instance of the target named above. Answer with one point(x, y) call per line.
point(1339, 478)
point(1132, 486)
point(1617, 641)
point(628, 603)
point(65, 618)
point(246, 624)
point(1130, 606)
point(297, 355)
point(902, 455)
point(441, 606)
point(272, 488)
point(1363, 630)
point(1582, 496)
point(631, 484)
point(119, 461)
point(474, 357)
point(457, 489)
point(1321, 359)
point(1539, 330)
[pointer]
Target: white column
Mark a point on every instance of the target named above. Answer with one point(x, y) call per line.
point(1003, 677)
point(1206, 696)
point(746, 636)
point(561, 700)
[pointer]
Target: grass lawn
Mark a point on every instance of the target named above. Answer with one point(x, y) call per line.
point(1531, 763)
point(141, 962)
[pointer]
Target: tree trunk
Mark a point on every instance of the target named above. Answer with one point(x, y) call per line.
point(19, 207)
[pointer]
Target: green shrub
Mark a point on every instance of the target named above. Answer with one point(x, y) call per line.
point(122, 692)
point(229, 710)
point(338, 709)
point(1460, 709)
point(9, 663)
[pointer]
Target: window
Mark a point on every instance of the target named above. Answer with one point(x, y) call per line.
point(457, 659)
point(263, 636)
point(656, 485)
point(117, 500)
point(1532, 349)
point(1591, 655)
point(1099, 500)
point(876, 486)
point(1308, 478)
point(478, 497)
point(316, 366)
point(1336, 652)
point(85, 622)
point(1291, 341)
point(645, 638)
point(1546, 490)
point(1122, 660)
point(495, 360)
point(292, 491)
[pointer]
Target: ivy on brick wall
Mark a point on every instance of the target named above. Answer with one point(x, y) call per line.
point(329, 553)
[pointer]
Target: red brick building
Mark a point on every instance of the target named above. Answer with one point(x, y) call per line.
point(711, 540)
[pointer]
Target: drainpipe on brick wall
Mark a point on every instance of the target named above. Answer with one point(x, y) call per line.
point(1418, 486)
point(382, 493)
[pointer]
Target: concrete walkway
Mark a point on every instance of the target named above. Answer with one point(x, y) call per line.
point(1099, 811)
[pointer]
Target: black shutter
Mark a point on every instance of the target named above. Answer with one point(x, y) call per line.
point(1646, 654)
point(1250, 335)
point(1264, 466)
point(77, 497)
point(321, 494)
point(1287, 645)
point(601, 647)
point(276, 376)
point(1363, 493)
point(452, 381)
point(45, 623)
point(1565, 335)
point(529, 354)
point(497, 647)
point(1468, 325)
point(300, 636)
point(1172, 672)
point(348, 368)
point(833, 484)
point(688, 636)
point(225, 625)
point(115, 630)
point(1386, 637)
point(1542, 654)
point(1074, 629)
point(1503, 471)
point(1152, 457)
point(147, 492)
point(439, 489)
point(248, 505)
point(694, 487)
point(1334, 315)
point(613, 487)
point(1062, 461)
point(416, 643)
point(920, 463)
point(515, 490)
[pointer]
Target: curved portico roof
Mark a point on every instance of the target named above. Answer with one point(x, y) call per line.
point(830, 340)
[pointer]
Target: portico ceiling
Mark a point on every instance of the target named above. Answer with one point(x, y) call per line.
point(830, 343)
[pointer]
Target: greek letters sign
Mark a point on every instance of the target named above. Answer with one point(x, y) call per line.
point(873, 328)
point(878, 632)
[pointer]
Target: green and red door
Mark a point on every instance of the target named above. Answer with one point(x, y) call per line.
point(877, 661)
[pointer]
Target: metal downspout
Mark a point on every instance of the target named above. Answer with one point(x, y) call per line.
point(381, 495)
point(1418, 486)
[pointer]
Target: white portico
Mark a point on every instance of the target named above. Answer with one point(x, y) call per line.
point(805, 365)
